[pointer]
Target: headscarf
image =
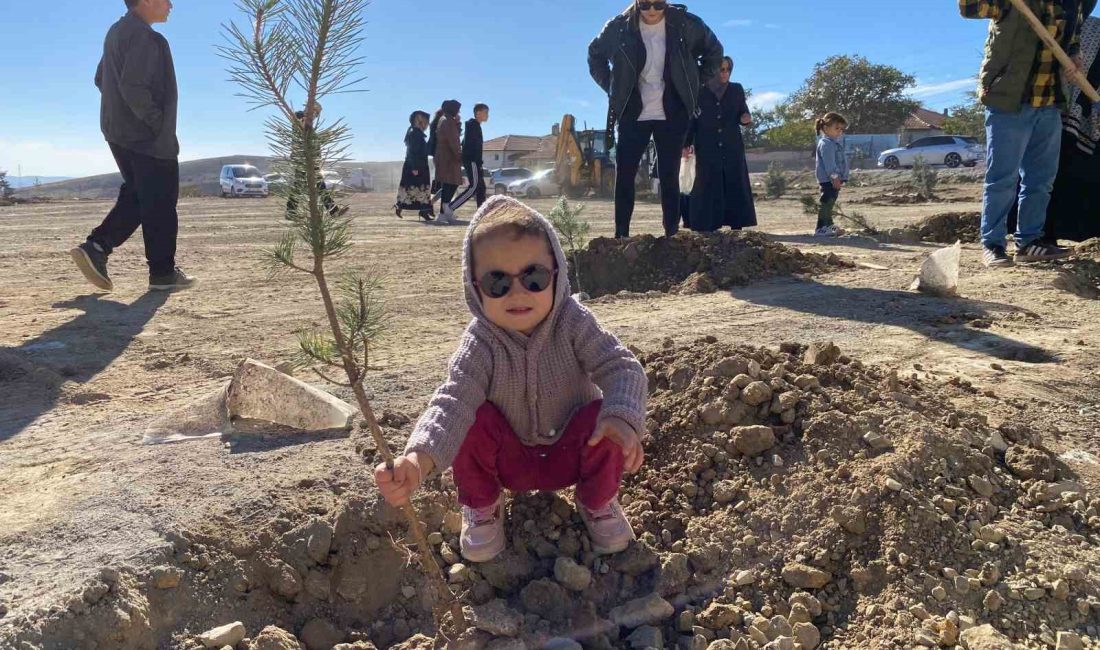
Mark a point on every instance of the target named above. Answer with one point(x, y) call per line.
point(715, 83)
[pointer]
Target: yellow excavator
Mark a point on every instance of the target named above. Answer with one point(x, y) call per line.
point(582, 161)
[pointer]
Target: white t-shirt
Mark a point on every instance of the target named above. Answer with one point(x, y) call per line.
point(651, 83)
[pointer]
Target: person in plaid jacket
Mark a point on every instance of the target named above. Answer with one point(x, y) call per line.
point(1021, 86)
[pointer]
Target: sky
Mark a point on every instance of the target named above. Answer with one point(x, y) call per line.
point(525, 58)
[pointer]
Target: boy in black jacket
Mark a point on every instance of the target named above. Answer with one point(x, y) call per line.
point(472, 158)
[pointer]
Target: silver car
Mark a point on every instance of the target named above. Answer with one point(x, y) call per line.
point(542, 183)
point(242, 180)
point(950, 150)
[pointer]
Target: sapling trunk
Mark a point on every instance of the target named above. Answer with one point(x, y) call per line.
point(311, 45)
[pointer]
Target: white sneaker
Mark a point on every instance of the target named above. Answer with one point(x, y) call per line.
point(446, 216)
point(482, 536)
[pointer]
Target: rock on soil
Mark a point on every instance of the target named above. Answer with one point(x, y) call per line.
point(692, 262)
point(230, 634)
point(275, 638)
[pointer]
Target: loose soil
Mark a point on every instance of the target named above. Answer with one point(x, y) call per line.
point(691, 262)
point(108, 543)
point(944, 228)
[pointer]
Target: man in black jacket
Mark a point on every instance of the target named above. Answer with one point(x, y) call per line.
point(137, 83)
point(652, 60)
point(473, 158)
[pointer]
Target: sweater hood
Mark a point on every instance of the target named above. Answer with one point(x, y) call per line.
point(562, 290)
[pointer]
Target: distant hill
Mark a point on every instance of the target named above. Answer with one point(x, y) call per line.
point(203, 176)
point(29, 181)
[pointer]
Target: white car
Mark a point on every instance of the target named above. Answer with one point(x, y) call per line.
point(950, 150)
point(242, 180)
point(333, 180)
point(541, 184)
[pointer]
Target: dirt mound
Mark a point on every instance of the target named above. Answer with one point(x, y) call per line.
point(1080, 274)
point(950, 227)
point(788, 495)
point(944, 228)
point(691, 262)
point(892, 198)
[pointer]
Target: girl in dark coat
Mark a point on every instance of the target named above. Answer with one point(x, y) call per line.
point(415, 191)
point(722, 195)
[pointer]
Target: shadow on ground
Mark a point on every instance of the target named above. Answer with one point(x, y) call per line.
point(34, 375)
point(940, 319)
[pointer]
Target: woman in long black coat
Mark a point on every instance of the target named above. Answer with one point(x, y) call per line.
point(722, 195)
point(415, 191)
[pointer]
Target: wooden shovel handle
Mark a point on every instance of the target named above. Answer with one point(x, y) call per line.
point(1079, 77)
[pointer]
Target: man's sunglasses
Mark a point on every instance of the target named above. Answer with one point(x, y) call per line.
point(534, 278)
point(658, 6)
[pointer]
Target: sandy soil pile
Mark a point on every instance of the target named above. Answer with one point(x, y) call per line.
point(791, 499)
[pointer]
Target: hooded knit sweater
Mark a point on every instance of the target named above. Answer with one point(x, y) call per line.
point(539, 381)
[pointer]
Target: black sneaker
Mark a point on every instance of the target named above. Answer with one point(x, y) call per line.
point(177, 279)
point(1041, 251)
point(995, 256)
point(92, 262)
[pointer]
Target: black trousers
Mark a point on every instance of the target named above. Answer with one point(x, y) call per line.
point(829, 196)
point(147, 198)
point(634, 137)
point(448, 192)
point(476, 188)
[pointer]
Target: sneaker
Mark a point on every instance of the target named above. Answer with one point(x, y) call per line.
point(92, 262)
point(483, 532)
point(446, 216)
point(608, 527)
point(826, 231)
point(995, 256)
point(177, 279)
point(1039, 251)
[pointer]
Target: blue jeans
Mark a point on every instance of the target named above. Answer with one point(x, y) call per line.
point(1023, 151)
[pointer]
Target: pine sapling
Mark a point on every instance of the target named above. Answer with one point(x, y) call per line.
point(775, 182)
point(573, 232)
point(311, 46)
point(925, 178)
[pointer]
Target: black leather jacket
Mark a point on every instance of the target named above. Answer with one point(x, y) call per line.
point(616, 57)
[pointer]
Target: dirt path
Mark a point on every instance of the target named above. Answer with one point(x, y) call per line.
point(81, 373)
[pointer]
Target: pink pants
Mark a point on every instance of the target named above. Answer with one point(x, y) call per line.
point(492, 457)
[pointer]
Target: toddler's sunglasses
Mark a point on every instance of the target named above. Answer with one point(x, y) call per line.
point(659, 6)
point(534, 278)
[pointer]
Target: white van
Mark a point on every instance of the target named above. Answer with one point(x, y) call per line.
point(242, 180)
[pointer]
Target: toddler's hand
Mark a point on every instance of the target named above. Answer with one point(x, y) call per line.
point(837, 183)
point(399, 484)
point(623, 435)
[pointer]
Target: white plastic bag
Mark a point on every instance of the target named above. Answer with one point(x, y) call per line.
point(687, 174)
point(939, 274)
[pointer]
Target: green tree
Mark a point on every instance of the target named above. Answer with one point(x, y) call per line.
point(797, 134)
point(872, 97)
point(573, 232)
point(775, 182)
point(967, 119)
point(762, 121)
point(6, 191)
point(312, 47)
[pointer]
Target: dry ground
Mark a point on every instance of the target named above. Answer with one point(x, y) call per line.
point(81, 372)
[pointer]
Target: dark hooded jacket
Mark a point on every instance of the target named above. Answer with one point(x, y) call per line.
point(617, 56)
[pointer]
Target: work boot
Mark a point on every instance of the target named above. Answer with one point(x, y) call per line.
point(177, 279)
point(92, 262)
point(608, 527)
point(483, 531)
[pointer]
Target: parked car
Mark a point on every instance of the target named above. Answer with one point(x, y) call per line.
point(242, 180)
point(542, 183)
point(333, 180)
point(502, 178)
point(950, 150)
point(274, 180)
